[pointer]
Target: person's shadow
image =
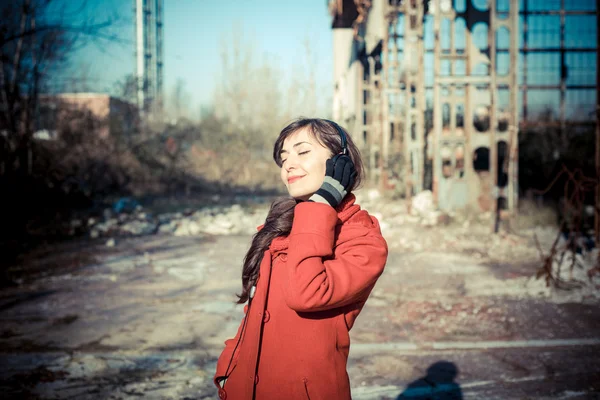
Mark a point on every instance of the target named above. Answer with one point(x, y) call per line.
point(438, 384)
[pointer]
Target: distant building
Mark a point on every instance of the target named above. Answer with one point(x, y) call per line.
point(84, 113)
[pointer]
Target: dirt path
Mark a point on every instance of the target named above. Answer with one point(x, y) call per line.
point(148, 317)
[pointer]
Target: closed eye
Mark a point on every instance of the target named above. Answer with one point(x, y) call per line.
point(302, 153)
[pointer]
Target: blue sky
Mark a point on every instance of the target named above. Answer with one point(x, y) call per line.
point(194, 31)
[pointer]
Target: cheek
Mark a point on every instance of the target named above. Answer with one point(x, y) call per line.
point(318, 167)
point(282, 176)
point(322, 168)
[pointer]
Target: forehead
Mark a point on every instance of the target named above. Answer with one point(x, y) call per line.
point(301, 135)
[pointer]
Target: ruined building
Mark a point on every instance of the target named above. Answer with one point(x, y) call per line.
point(435, 92)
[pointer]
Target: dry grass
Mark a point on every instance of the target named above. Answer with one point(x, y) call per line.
point(531, 214)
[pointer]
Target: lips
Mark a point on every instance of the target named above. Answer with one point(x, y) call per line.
point(293, 179)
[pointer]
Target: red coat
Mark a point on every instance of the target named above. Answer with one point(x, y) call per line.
point(312, 286)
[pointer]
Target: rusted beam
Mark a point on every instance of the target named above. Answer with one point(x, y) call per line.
point(437, 105)
point(523, 124)
point(384, 126)
point(563, 69)
point(555, 87)
point(448, 54)
point(493, 123)
point(556, 12)
point(556, 49)
point(512, 158)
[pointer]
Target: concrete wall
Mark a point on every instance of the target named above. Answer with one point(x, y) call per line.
point(86, 113)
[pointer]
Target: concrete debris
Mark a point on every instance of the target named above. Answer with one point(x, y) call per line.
point(185, 228)
point(400, 224)
point(137, 228)
point(229, 220)
point(373, 194)
point(422, 203)
point(391, 213)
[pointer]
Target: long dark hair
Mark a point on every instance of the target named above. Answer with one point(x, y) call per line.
point(281, 214)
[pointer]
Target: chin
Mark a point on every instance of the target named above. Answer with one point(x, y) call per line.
point(300, 194)
point(303, 197)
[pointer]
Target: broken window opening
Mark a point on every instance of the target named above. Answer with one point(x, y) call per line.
point(502, 178)
point(446, 156)
point(481, 159)
point(445, 115)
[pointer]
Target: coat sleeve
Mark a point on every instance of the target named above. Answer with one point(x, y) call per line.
point(227, 353)
point(319, 278)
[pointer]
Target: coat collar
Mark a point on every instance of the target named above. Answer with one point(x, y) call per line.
point(345, 210)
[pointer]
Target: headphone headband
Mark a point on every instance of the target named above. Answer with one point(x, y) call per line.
point(342, 135)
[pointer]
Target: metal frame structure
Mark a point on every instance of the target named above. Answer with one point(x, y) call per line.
point(465, 184)
point(149, 53)
point(404, 93)
point(479, 104)
point(563, 49)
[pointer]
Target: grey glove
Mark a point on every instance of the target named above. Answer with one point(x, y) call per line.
point(339, 178)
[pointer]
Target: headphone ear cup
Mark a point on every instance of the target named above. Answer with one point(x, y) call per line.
point(352, 178)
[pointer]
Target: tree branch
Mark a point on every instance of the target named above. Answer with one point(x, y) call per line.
point(92, 30)
point(17, 58)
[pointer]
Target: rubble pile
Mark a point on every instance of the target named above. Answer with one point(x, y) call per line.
point(222, 220)
point(131, 219)
point(402, 224)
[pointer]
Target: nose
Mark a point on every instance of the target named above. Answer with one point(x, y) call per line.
point(291, 163)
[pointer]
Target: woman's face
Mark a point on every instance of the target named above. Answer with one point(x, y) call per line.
point(303, 164)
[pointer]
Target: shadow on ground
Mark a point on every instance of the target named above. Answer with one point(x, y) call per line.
point(438, 384)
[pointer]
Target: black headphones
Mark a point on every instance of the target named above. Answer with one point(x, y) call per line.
point(342, 135)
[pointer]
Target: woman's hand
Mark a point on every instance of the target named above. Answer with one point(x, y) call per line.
point(339, 178)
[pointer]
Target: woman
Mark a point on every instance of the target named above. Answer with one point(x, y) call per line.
point(306, 276)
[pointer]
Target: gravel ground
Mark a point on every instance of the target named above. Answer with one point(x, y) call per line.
point(146, 316)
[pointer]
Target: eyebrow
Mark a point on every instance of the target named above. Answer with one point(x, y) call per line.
point(296, 145)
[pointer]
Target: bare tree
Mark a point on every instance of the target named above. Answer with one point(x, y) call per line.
point(254, 98)
point(257, 95)
point(126, 88)
point(36, 40)
point(179, 101)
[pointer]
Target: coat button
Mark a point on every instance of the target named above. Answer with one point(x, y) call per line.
point(256, 380)
point(284, 257)
point(267, 316)
point(222, 394)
